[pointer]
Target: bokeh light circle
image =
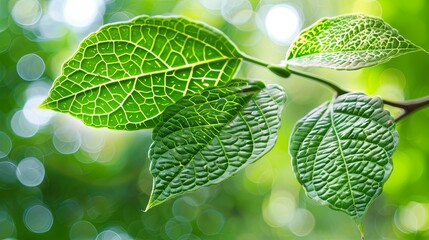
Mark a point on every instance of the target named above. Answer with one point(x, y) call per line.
point(82, 13)
point(50, 29)
point(38, 219)
point(177, 227)
point(69, 212)
point(283, 23)
point(30, 67)
point(212, 4)
point(5, 41)
point(412, 218)
point(108, 235)
point(237, 12)
point(5, 144)
point(83, 230)
point(279, 209)
point(93, 140)
point(30, 172)
point(210, 222)
point(67, 140)
point(7, 226)
point(303, 222)
point(26, 12)
point(7, 175)
point(21, 126)
point(34, 114)
point(182, 208)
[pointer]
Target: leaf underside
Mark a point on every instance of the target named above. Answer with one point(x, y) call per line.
point(341, 152)
point(205, 138)
point(124, 75)
point(348, 42)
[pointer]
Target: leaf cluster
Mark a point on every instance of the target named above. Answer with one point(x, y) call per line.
point(178, 77)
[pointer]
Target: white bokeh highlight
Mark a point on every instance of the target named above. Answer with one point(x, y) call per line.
point(412, 218)
point(30, 67)
point(5, 144)
point(21, 126)
point(82, 13)
point(30, 172)
point(67, 139)
point(34, 114)
point(82, 230)
point(283, 23)
point(26, 12)
point(236, 12)
point(38, 219)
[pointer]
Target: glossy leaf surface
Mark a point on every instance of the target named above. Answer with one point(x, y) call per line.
point(348, 42)
point(124, 75)
point(341, 152)
point(205, 138)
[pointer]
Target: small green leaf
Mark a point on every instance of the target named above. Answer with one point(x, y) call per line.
point(348, 42)
point(124, 75)
point(341, 152)
point(205, 138)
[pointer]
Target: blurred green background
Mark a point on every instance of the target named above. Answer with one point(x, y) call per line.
point(62, 180)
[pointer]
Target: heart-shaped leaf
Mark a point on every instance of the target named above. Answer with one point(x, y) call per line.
point(205, 138)
point(124, 75)
point(348, 42)
point(341, 152)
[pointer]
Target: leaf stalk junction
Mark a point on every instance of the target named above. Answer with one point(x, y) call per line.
point(284, 71)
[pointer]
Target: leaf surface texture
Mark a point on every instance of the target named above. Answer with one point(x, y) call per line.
point(124, 75)
point(341, 152)
point(348, 42)
point(205, 138)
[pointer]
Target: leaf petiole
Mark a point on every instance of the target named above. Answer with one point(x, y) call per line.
point(255, 60)
point(334, 87)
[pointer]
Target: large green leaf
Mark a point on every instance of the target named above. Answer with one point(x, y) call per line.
point(348, 42)
point(341, 152)
point(207, 137)
point(124, 75)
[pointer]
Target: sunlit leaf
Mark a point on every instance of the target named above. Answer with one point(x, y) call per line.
point(205, 138)
point(124, 75)
point(348, 42)
point(341, 152)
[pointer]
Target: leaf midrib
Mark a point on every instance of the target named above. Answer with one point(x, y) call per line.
point(136, 77)
point(191, 161)
point(331, 117)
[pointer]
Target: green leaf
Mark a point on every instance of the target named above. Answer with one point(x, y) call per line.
point(341, 152)
point(124, 75)
point(348, 42)
point(205, 138)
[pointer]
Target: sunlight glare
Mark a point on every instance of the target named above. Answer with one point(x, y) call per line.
point(283, 23)
point(82, 13)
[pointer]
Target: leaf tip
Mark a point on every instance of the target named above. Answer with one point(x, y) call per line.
point(152, 203)
point(424, 50)
point(147, 207)
point(44, 104)
point(153, 199)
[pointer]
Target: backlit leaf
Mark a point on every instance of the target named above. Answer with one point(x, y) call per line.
point(348, 42)
point(124, 75)
point(205, 138)
point(341, 152)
